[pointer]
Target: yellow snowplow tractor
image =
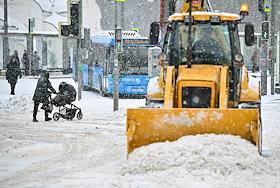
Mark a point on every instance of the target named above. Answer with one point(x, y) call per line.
point(203, 84)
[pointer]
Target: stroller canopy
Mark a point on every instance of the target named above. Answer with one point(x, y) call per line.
point(66, 94)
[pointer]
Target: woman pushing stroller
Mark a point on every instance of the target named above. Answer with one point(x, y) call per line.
point(42, 95)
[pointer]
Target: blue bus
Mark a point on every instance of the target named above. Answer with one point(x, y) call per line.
point(133, 65)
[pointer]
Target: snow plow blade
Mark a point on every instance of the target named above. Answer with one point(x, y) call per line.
point(146, 126)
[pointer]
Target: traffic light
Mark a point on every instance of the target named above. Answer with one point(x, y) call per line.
point(64, 29)
point(265, 30)
point(118, 40)
point(74, 18)
point(154, 33)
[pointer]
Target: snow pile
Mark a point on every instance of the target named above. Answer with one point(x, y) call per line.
point(204, 155)
point(153, 86)
point(120, 114)
point(272, 104)
point(17, 104)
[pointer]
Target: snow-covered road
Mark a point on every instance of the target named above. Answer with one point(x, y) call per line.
point(92, 152)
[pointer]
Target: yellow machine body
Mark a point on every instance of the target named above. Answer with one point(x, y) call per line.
point(221, 116)
point(148, 125)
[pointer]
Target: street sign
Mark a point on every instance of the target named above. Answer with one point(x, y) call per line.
point(265, 30)
point(267, 6)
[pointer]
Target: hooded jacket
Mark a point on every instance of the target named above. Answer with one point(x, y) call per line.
point(42, 92)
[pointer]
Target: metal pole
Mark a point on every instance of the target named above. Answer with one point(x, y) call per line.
point(116, 82)
point(116, 68)
point(189, 51)
point(65, 60)
point(278, 59)
point(5, 37)
point(122, 15)
point(273, 44)
point(30, 45)
point(264, 61)
point(80, 72)
point(164, 14)
point(116, 15)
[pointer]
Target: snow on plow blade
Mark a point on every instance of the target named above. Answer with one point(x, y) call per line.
point(146, 126)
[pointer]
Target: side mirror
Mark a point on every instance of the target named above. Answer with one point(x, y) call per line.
point(249, 35)
point(154, 33)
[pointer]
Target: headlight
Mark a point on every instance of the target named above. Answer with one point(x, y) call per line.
point(196, 97)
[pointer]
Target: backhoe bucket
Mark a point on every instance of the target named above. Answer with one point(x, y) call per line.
point(146, 126)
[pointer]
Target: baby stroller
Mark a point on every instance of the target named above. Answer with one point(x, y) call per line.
point(63, 100)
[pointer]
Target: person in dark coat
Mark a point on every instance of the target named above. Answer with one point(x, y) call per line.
point(35, 63)
point(41, 95)
point(207, 48)
point(25, 62)
point(13, 72)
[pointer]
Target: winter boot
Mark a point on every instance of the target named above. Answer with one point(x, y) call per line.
point(13, 89)
point(47, 116)
point(48, 119)
point(35, 110)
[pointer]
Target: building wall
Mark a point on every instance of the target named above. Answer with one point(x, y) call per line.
point(21, 10)
point(141, 13)
point(137, 14)
point(233, 6)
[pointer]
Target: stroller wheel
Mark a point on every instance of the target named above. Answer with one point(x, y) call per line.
point(56, 116)
point(79, 115)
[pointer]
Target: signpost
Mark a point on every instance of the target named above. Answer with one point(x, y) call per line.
point(264, 8)
point(75, 18)
point(273, 43)
point(118, 50)
point(79, 39)
point(5, 37)
point(31, 25)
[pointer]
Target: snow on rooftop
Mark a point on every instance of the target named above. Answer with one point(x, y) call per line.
point(15, 23)
point(56, 5)
point(55, 18)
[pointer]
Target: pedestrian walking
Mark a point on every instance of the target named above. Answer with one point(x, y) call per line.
point(16, 57)
point(13, 72)
point(42, 94)
point(35, 63)
point(25, 62)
